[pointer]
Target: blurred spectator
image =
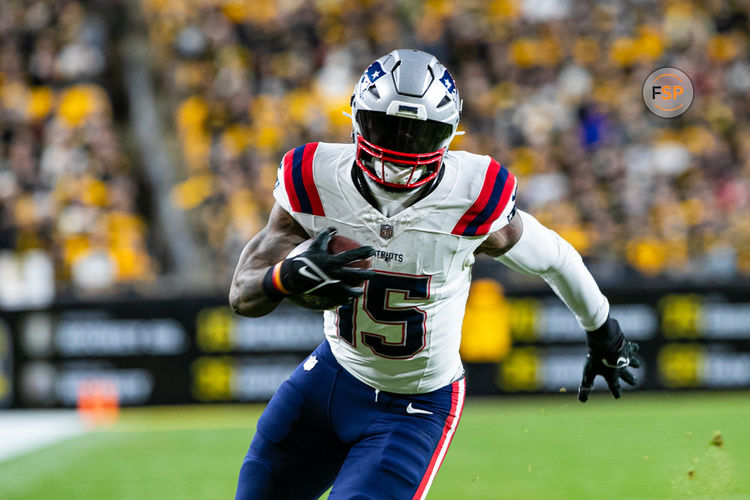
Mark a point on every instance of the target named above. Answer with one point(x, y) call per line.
point(67, 192)
point(551, 89)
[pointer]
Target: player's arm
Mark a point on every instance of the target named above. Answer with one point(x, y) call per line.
point(274, 242)
point(264, 276)
point(528, 247)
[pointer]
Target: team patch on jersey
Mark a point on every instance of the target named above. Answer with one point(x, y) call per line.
point(498, 187)
point(386, 231)
point(298, 180)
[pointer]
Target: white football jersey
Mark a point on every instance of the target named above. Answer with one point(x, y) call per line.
point(403, 334)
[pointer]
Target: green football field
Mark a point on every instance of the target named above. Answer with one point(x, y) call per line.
point(645, 446)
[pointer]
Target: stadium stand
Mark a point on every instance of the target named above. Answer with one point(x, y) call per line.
point(69, 194)
point(554, 92)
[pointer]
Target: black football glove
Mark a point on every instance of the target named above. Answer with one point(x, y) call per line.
point(610, 355)
point(316, 270)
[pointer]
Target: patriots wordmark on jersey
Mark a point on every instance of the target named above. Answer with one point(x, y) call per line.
point(403, 334)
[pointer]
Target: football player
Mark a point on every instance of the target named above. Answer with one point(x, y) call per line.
point(373, 409)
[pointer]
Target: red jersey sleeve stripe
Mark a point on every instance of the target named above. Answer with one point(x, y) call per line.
point(497, 189)
point(316, 205)
point(507, 192)
point(299, 181)
point(291, 193)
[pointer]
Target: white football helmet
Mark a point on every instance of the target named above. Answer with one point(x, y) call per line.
point(405, 112)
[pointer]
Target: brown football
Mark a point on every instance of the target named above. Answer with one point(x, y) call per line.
point(337, 245)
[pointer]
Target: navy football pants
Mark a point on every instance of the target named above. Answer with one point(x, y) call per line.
point(324, 427)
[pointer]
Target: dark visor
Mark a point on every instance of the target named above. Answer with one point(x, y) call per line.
point(405, 135)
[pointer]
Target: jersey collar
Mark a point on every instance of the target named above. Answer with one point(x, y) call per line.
point(359, 181)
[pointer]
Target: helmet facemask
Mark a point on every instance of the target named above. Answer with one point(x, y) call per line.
point(400, 152)
point(397, 170)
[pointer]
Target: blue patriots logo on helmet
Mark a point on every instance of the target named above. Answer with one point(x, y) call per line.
point(371, 74)
point(374, 71)
point(447, 80)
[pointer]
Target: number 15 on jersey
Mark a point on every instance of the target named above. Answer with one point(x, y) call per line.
point(389, 306)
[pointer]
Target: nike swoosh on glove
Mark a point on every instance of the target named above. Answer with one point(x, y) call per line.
point(610, 355)
point(316, 270)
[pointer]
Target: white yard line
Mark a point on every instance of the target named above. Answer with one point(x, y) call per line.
point(22, 431)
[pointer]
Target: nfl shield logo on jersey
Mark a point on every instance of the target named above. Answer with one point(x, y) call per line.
point(386, 231)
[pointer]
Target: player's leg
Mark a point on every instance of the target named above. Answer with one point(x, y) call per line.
point(399, 454)
point(294, 453)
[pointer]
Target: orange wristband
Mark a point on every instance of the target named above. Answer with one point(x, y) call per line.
point(277, 279)
point(272, 286)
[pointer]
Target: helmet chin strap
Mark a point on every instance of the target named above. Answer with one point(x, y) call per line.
point(391, 202)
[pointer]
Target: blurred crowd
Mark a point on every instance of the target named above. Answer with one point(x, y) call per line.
point(68, 192)
point(551, 89)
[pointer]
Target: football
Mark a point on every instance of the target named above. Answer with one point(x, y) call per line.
point(337, 245)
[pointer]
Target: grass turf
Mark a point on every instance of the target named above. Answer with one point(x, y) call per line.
point(646, 446)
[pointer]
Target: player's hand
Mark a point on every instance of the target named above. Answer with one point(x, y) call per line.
point(327, 275)
point(610, 355)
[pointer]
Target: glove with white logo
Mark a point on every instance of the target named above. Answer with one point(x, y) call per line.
point(610, 355)
point(316, 270)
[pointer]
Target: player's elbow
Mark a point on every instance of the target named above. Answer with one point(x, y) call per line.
point(247, 310)
point(245, 306)
point(238, 303)
point(567, 257)
point(235, 302)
